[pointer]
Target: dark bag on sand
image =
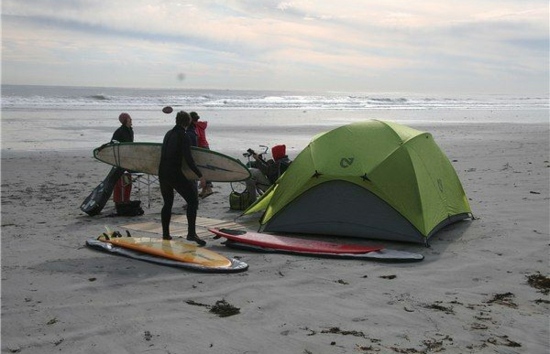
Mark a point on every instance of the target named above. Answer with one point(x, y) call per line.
point(132, 208)
point(239, 201)
point(95, 202)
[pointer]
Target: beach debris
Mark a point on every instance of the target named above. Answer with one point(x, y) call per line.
point(52, 321)
point(194, 303)
point(224, 309)
point(479, 326)
point(311, 332)
point(448, 310)
point(337, 330)
point(14, 349)
point(505, 341)
point(504, 299)
point(506, 167)
point(483, 317)
point(392, 276)
point(147, 335)
point(539, 281)
point(342, 281)
point(433, 345)
point(406, 350)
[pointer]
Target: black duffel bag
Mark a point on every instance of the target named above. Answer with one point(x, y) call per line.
point(132, 208)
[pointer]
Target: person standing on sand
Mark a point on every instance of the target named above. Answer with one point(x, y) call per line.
point(176, 146)
point(124, 134)
point(200, 128)
point(192, 133)
point(191, 130)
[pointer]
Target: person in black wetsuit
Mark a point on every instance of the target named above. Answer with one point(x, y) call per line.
point(125, 133)
point(176, 147)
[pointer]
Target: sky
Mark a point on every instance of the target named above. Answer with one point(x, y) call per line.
point(428, 46)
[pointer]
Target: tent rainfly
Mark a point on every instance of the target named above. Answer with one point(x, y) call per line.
point(370, 179)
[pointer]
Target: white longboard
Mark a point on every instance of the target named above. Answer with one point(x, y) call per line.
point(145, 158)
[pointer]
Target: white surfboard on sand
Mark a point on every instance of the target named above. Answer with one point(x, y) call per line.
point(145, 158)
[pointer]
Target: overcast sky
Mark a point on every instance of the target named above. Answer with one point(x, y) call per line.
point(467, 46)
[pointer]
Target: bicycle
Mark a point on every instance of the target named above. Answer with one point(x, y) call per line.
point(240, 187)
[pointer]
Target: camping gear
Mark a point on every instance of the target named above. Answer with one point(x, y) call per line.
point(370, 179)
point(145, 158)
point(278, 152)
point(94, 203)
point(307, 247)
point(172, 253)
point(239, 201)
point(123, 189)
point(130, 208)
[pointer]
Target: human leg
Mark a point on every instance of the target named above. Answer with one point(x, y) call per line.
point(166, 213)
point(188, 191)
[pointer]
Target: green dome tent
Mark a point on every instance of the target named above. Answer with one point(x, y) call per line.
point(370, 179)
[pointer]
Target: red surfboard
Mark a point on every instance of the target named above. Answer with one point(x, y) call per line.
point(256, 241)
point(292, 243)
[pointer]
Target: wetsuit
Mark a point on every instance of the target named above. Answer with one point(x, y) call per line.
point(176, 147)
point(124, 134)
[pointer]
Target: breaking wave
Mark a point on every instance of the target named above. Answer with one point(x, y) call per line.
point(15, 96)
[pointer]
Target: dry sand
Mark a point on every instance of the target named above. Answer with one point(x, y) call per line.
point(470, 295)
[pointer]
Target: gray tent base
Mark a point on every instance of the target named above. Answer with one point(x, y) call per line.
point(342, 208)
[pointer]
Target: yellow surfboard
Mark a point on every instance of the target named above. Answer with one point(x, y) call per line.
point(173, 253)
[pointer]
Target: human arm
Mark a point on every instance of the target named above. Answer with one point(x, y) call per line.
point(188, 157)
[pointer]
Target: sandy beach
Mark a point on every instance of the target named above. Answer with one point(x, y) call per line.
point(482, 287)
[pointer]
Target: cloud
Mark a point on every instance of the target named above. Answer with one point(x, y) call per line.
point(233, 43)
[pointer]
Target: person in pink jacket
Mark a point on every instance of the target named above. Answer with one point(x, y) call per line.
point(202, 142)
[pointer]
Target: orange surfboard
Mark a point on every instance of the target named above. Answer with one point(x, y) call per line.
point(173, 253)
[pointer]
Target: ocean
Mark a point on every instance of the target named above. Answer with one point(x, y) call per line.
point(36, 118)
